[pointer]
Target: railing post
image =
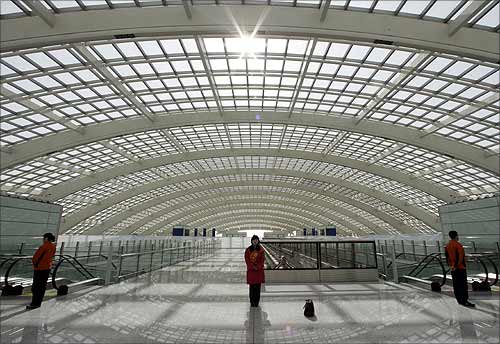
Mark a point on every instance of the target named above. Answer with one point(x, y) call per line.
point(77, 247)
point(162, 253)
point(337, 253)
point(353, 256)
point(138, 261)
point(61, 250)
point(413, 249)
point(133, 246)
point(21, 247)
point(403, 248)
point(384, 262)
point(474, 246)
point(89, 251)
point(439, 247)
point(394, 266)
point(109, 264)
point(100, 249)
point(139, 246)
point(120, 264)
point(151, 261)
point(425, 248)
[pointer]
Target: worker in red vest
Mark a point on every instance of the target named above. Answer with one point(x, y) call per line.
point(455, 256)
point(254, 258)
point(42, 263)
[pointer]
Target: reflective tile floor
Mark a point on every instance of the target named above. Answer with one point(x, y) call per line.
point(205, 300)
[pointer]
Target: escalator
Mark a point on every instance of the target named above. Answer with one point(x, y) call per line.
point(482, 270)
point(16, 275)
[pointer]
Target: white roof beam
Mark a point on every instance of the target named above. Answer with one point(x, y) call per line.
point(187, 8)
point(22, 33)
point(226, 195)
point(303, 72)
point(403, 74)
point(39, 10)
point(120, 151)
point(324, 10)
point(436, 143)
point(429, 219)
point(474, 8)
point(453, 117)
point(103, 70)
point(41, 110)
point(440, 192)
point(204, 59)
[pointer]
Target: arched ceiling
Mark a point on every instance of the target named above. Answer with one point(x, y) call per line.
point(364, 114)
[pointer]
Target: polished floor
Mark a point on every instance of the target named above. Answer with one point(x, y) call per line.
point(205, 300)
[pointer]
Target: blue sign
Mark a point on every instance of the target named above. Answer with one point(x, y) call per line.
point(177, 231)
point(331, 231)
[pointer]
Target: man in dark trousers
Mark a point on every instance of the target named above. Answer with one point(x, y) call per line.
point(42, 262)
point(455, 256)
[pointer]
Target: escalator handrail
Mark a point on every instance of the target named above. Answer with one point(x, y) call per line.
point(427, 261)
point(438, 258)
point(16, 260)
point(494, 268)
point(71, 260)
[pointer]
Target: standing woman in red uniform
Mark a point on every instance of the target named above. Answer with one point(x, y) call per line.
point(254, 257)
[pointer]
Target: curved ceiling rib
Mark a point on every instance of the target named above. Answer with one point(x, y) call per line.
point(422, 215)
point(386, 115)
point(223, 196)
point(64, 189)
point(216, 211)
point(95, 133)
point(27, 32)
point(319, 193)
point(322, 213)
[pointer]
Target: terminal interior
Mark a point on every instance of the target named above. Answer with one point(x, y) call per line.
point(154, 138)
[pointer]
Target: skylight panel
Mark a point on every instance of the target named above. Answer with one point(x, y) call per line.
point(255, 64)
point(338, 50)
point(479, 72)
point(398, 57)
point(492, 18)
point(108, 51)
point(358, 52)
point(162, 67)
point(129, 49)
point(237, 64)
point(276, 46)
point(218, 64)
point(151, 48)
point(458, 68)
point(19, 63)
point(415, 7)
point(172, 46)
point(42, 60)
point(190, 45)
point(275, 65)
point(442, 9)
point(181, 66)
point(387, 5)
point(366, 4)
point(297, 46)
point(214, 45)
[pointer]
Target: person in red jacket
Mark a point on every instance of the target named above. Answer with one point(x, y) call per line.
point(42, 263)
point(254, 258)
point(455, 256)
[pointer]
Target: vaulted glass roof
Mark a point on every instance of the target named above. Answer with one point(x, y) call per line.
point(137, 134)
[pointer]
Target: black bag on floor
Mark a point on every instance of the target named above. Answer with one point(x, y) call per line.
point(10, 290)
point(309, 309)
point(436, 287)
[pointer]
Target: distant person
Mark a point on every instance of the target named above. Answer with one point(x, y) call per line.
point(42, 262)
point(254, 257)
point(455, 256)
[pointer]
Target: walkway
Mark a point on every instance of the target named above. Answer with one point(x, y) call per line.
point(205, 301)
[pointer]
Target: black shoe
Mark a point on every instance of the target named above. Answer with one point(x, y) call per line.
point(469, 304)
point(30, 307)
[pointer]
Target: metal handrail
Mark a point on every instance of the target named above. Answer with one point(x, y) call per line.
point(68, 259)
point(16, 260)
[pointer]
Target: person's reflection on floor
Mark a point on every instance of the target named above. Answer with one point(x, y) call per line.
point(255, 325)
point(467, 327)
point(34, 330)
